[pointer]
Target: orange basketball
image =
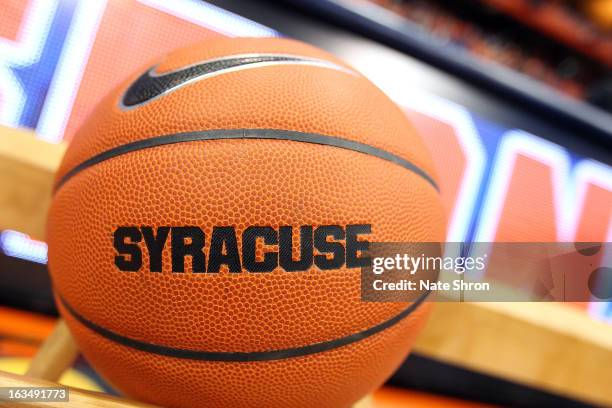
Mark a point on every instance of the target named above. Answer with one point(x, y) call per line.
point(209, 222)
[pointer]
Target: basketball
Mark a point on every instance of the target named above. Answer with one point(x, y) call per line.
point(210, 221)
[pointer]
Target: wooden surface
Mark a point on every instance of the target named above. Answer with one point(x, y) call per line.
point(27, 166)
point(84, 399)
point(545, 345)
point(549, 346)
point(55, 355)
point(77, 398)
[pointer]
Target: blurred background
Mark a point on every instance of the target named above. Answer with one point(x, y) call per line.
point(513, 98)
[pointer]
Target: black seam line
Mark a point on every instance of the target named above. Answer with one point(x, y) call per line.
point(242, 356)
point(224, 134)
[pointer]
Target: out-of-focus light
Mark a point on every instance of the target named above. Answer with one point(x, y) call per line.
point(214, 17)
point(20, 245)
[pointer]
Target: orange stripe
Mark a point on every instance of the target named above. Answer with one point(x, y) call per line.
point(26, 325)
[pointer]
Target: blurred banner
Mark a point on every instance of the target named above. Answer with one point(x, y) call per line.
point(58, 58)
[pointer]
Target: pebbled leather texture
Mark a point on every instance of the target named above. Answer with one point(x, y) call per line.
point(240, 183)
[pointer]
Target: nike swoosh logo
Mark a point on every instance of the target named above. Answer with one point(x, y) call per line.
point(152, 85)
